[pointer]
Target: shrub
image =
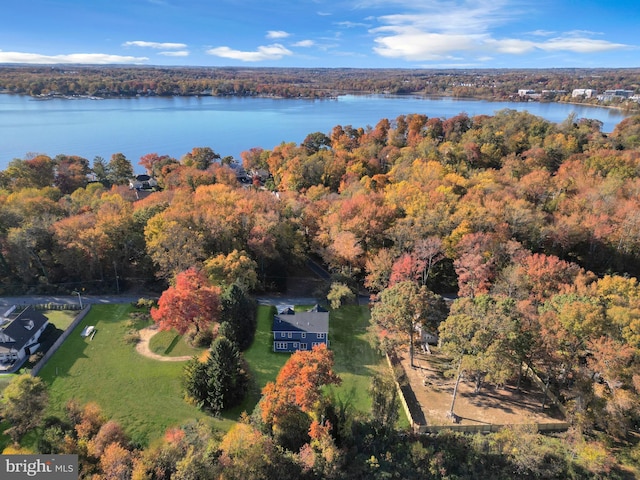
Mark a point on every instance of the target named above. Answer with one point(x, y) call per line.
point(132, 337)
point(145, 303)
point(201, 338)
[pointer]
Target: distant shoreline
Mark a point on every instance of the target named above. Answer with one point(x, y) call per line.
point(333, 97)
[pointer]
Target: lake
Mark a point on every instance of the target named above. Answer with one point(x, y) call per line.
point(174, 125)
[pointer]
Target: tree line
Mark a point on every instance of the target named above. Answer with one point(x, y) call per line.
point(109, 81)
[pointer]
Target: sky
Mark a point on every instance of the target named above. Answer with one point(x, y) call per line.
point(323, 33)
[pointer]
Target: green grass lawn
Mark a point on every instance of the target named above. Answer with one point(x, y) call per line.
point(264, 364)
point(144, 395)
point(356, 361)
point(61, 318)
point(172, 344)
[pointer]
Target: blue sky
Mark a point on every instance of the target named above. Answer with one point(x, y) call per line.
point(323, 33)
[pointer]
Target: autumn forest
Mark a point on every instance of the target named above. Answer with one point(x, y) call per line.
point(532, 228)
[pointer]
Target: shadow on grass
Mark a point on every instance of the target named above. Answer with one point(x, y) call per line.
point(69, 352)
point(172, 345)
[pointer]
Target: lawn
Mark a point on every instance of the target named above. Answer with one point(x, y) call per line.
point(356, 361)
point(144, 395)
point(61, 318)
point(263, 363)
point(172, 344)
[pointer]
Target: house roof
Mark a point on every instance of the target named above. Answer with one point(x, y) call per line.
point(318, 308)
point(312, 322)
point(21, 329)
point(285, 310)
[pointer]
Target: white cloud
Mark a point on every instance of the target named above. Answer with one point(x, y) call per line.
point(459, 17)
point(580, 45)
point(541, 33)
point(348, 24)
point(513, 46)
point(419, 46)
point(86, 58)
point(158, 45)
point(436, 31)
point(273, 34)
point(179, 53)
point(304, 43)
point(269, 52)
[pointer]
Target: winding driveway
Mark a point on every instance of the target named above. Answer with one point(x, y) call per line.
point(143, 347)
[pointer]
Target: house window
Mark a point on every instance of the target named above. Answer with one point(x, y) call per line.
point(281, 334)
point(303, 346)
point(281, 345)
point(303, 335)
point(320, 335)
point(288, 334)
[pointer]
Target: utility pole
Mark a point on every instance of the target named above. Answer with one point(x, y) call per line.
point(77, 292)
point(117, 281)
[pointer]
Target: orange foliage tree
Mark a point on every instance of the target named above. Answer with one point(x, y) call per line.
point(191, 302)
point(299, 384)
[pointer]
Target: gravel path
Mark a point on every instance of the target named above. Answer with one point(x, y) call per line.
point(143, 347)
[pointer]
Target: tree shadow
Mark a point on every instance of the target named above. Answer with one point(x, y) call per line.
point(172, 345)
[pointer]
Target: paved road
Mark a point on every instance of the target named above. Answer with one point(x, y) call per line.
point(286, 300)
point(66, 299)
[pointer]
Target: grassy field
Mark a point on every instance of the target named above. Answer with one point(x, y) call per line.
point(172, 344)
point(61, 318)
point(355, 360)
point(264, 364)
point(144, 395)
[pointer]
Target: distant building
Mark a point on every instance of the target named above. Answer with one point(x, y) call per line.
point(617, 94)
point(525, 93)
point(583, 92)
point(143, 182)
point(293, 331)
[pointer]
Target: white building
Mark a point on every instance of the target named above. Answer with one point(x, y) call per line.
point(583, 92)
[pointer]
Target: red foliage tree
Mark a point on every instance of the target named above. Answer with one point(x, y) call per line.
point(192, 301)
point(406, 268)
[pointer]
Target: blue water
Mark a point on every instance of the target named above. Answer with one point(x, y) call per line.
point(173, 126)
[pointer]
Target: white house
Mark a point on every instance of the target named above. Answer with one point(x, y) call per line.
point(19, 336)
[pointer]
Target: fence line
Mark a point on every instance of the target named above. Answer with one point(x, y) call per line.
point(403, 400)
point(38, 366)
point(490, 427)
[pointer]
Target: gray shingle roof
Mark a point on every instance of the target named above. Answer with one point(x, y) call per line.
point(312, 322)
